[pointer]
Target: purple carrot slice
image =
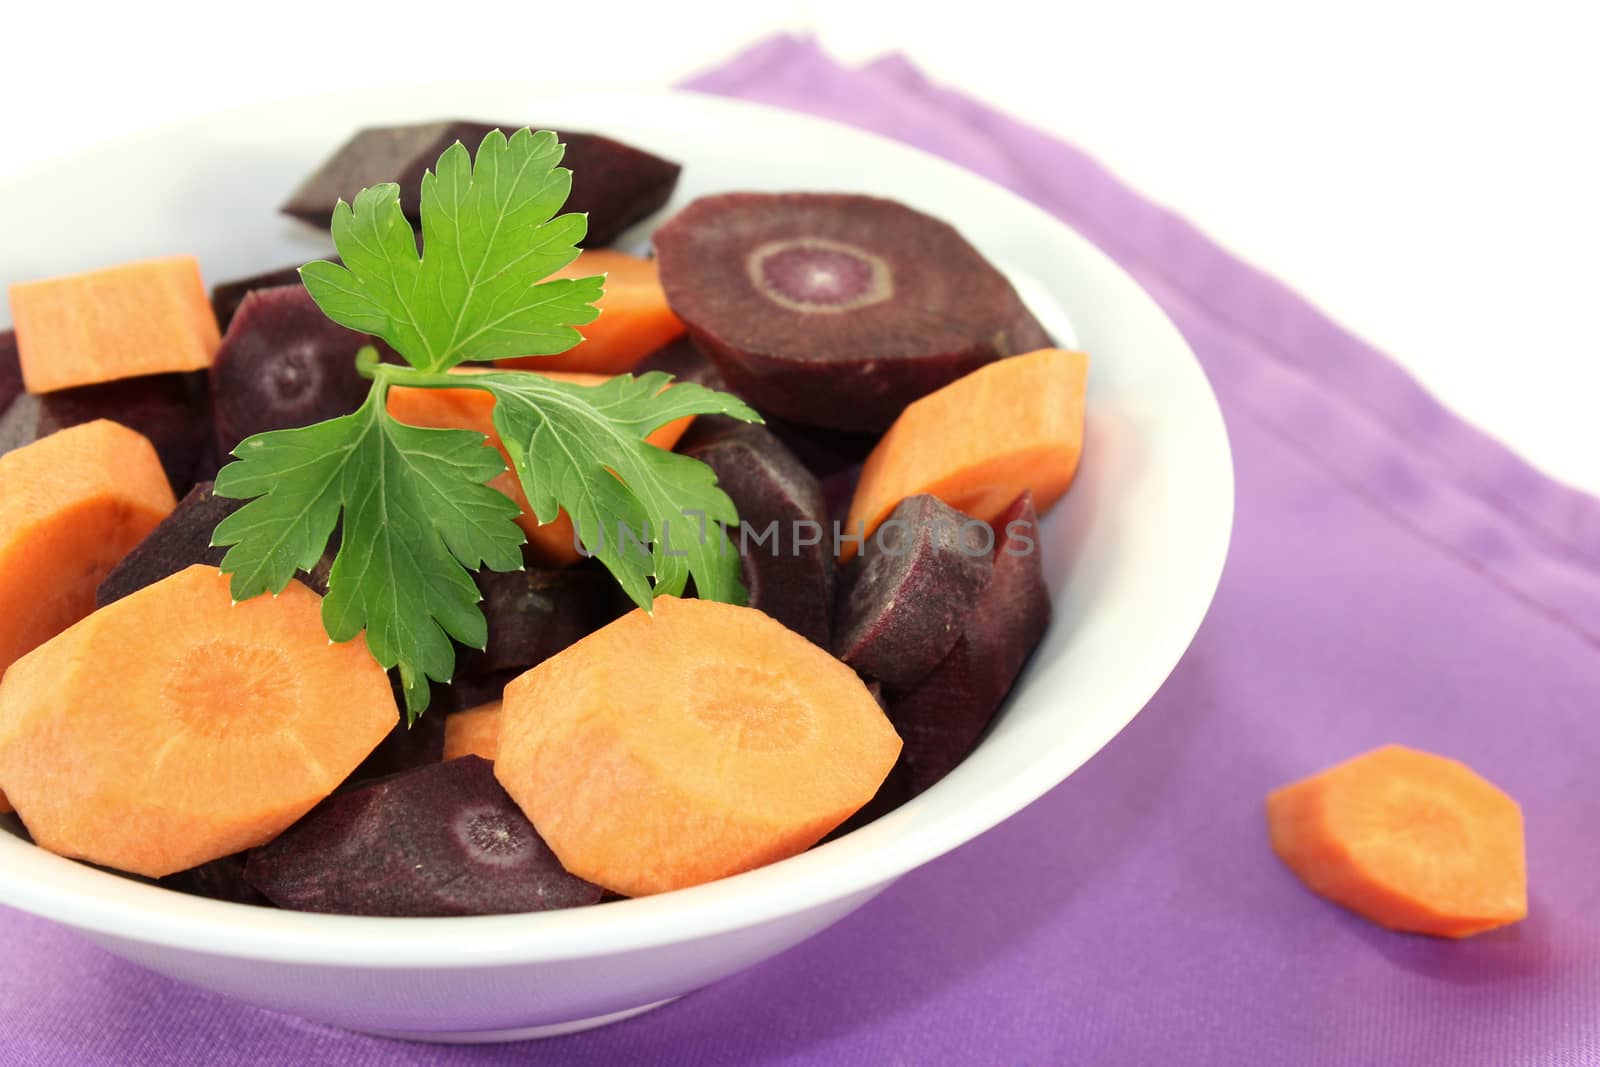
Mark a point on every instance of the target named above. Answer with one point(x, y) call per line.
point(942, 718)
point(439, 840)
point(172, 410)
point(682, 359)
point(181, 540)
point(227, 296)
point(616, 184)
point(405, 748)
point(10, 370)
point(535, 613)
point(908, 593)
point(221, 879)
point(824, 452)
point(19, 410)
point(283, 363)
point(838, 489)
point(785, 540)
point(835, 310)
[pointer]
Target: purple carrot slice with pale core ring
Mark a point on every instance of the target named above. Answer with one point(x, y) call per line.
point(835, 310)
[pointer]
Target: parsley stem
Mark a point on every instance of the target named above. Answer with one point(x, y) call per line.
point(388, 374)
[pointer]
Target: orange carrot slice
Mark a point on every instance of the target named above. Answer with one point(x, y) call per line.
point(1407, 839)
point(72, 504)
point(553, 543)
point(979, 442)
point(672, 749)
point(634, 317)
point(174, 727)
point(148, 317)
point(475, 732)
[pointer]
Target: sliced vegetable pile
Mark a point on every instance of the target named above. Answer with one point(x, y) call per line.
point(521, 477)
point(505, 474)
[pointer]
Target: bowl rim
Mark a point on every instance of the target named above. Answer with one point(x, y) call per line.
point(857, 865)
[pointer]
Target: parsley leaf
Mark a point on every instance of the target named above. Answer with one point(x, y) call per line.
point(643, 511)
point(491, 236)
point(413, 506)
point(418, 519)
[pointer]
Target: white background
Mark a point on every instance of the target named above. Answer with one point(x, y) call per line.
point(1428, 173)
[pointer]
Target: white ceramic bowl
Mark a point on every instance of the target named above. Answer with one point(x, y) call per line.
point(1133, 556)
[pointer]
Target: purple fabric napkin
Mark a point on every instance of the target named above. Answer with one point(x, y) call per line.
point(1395, 576)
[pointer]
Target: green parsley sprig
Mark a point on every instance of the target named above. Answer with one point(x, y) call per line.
point(415, 513)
